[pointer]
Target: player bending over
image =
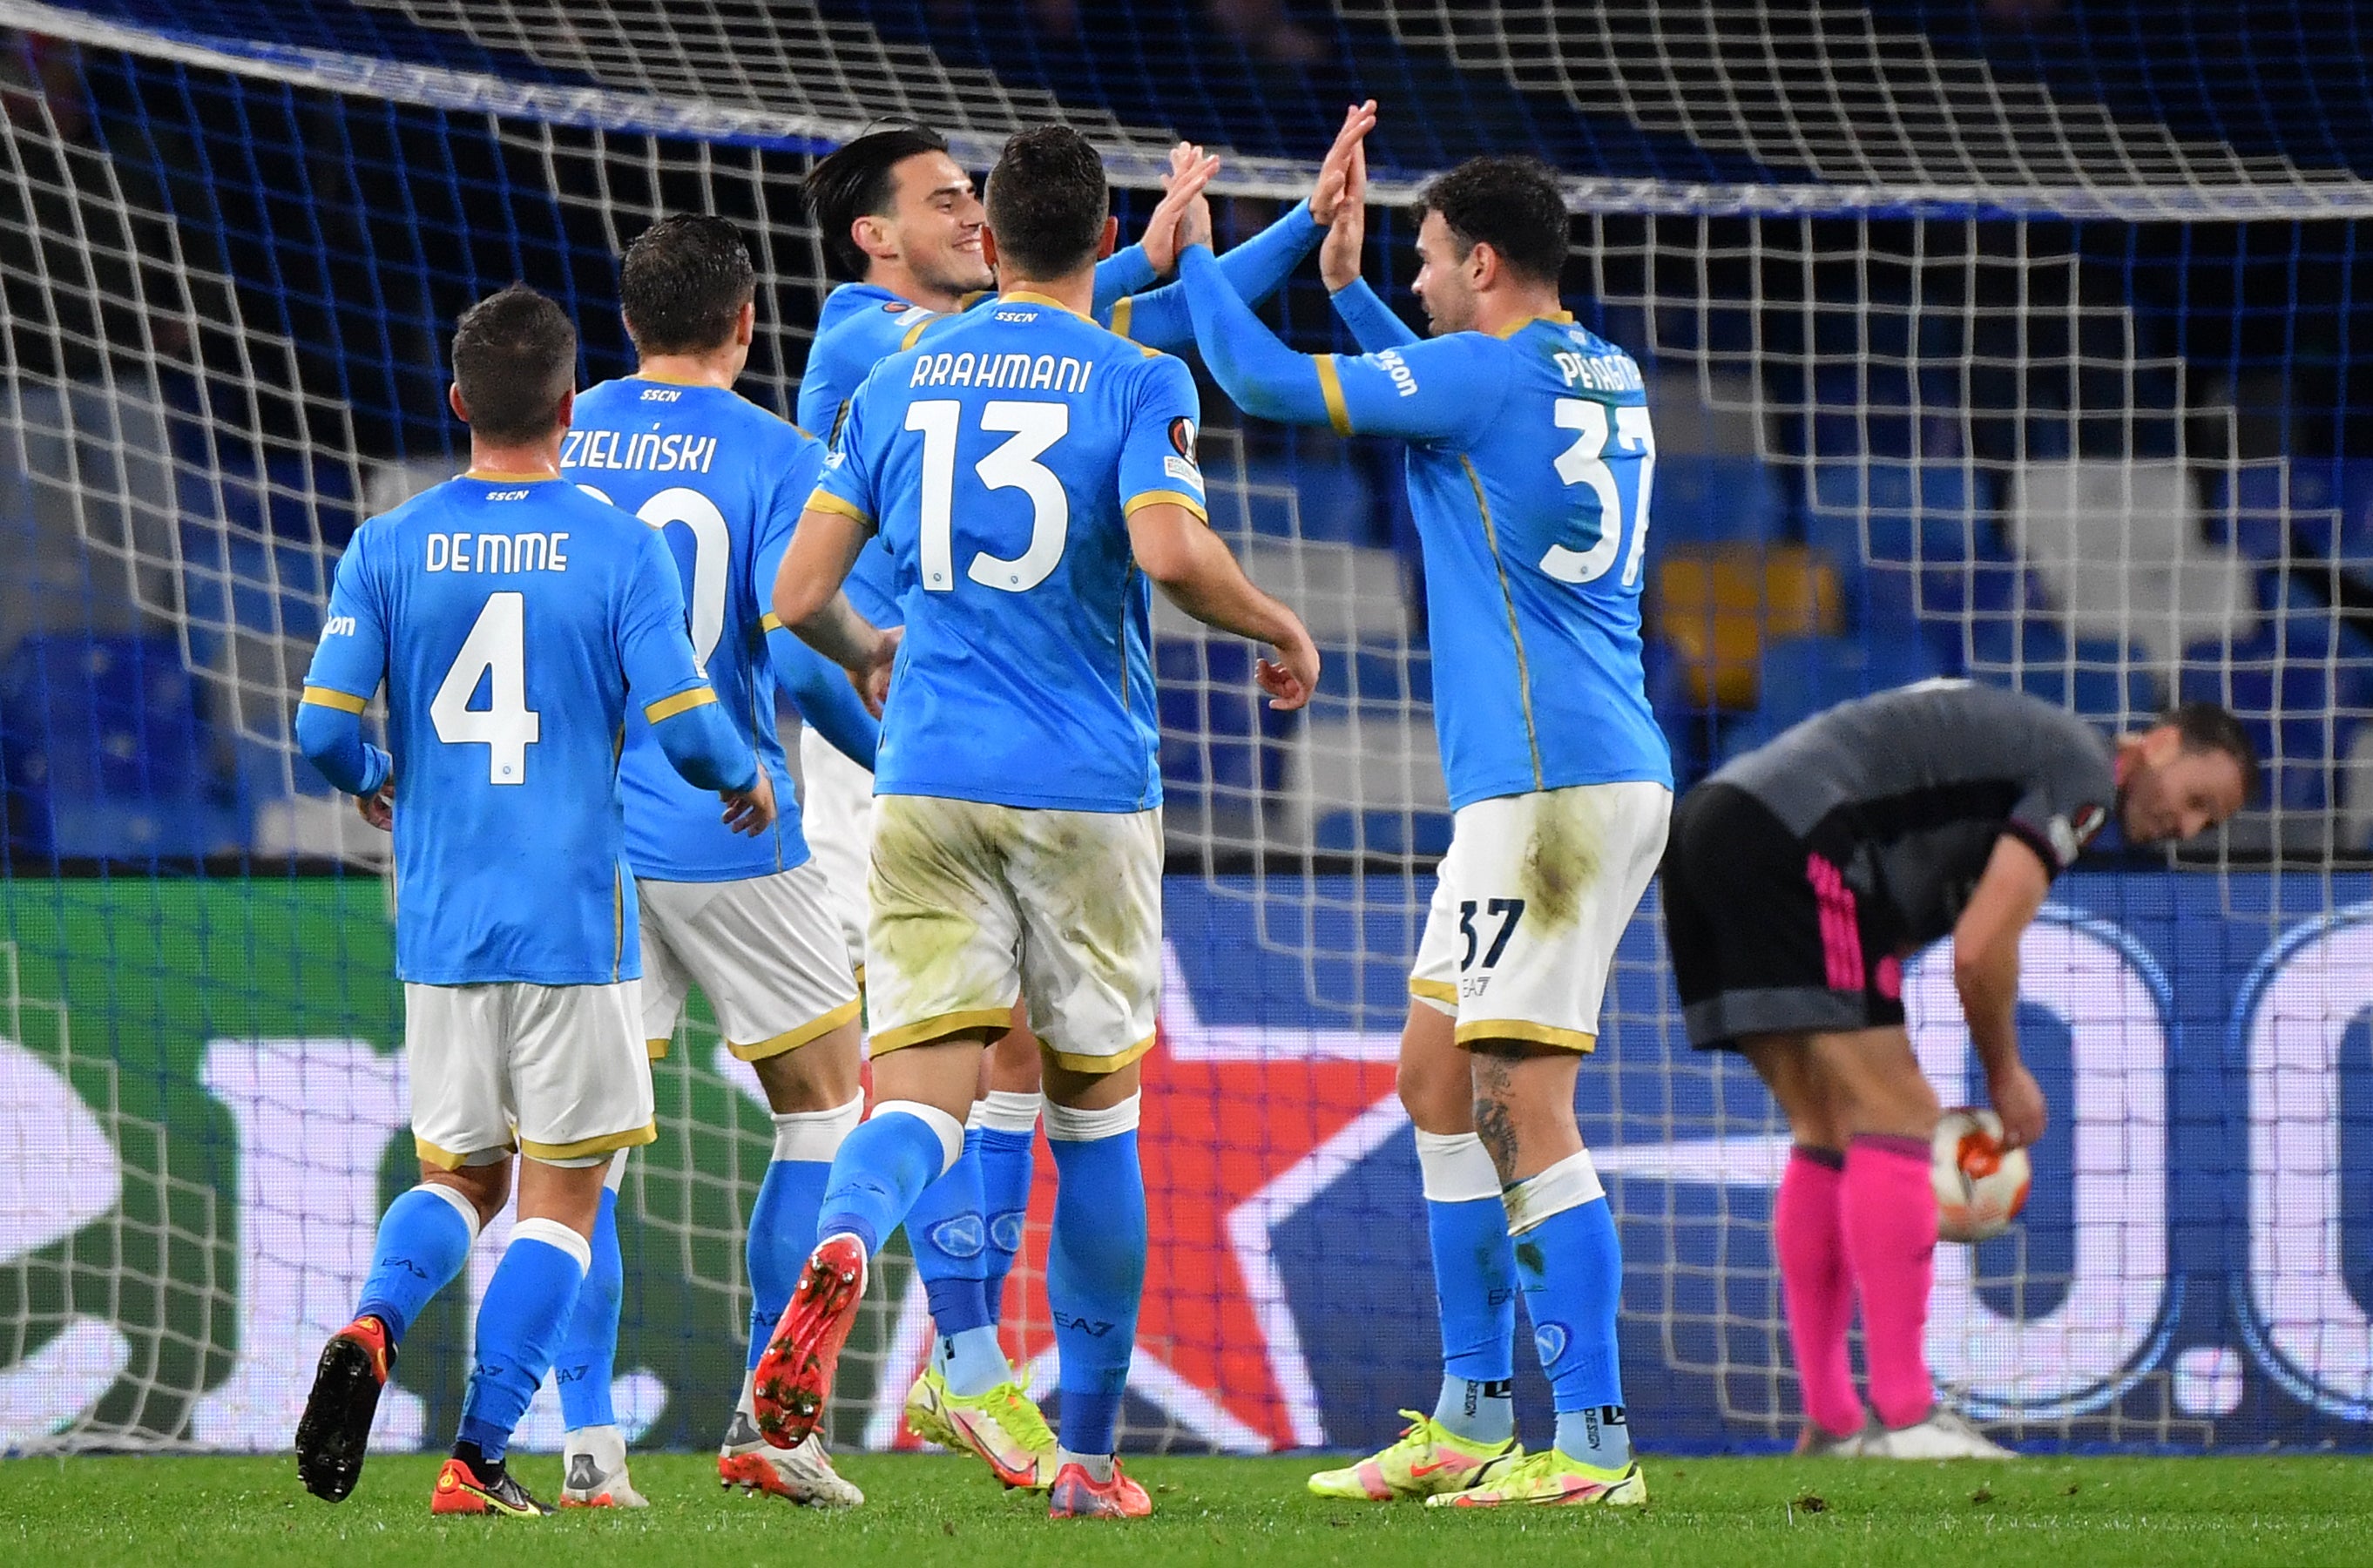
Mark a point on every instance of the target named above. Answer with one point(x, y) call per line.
point(1528, 475)
point(515, 910)
point(1800, 878)
point(750, 920)
point(899, 214)
point(1029, 471)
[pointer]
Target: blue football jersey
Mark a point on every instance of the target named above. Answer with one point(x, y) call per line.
point(511, 620)
point(860, 325)
point(1530, 462)
point(998, 462)
point(722, 481)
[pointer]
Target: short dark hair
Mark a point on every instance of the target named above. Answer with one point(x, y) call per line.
point(684, 281)
point(514, 359)
point(1510, 203)
point(1048, 203)
point(2205, 727)
point(854, 180)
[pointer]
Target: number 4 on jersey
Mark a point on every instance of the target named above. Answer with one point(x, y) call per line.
point(495, 649)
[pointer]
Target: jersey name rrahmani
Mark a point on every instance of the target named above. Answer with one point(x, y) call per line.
point(1530, 464)
point(862, 324)
point(722, 481)
point(997, 464)
point(516, 622)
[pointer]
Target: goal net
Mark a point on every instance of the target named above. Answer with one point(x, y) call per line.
point(1958, 367)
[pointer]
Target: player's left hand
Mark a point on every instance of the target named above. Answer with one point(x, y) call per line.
point(1340, 253)
point(751, 812)
point(1183, 217)
point(2019, 1099)
point(1335, 172)
point(377, 808)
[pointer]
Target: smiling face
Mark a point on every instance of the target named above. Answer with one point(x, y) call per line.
point(2174, 792)
point(933, 225)
point(1446, 280)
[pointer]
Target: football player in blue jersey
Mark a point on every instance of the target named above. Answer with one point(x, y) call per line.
point(750, 921)
point(899, 214)
point(1031, 474)
point(517, 622)
point(1529, 464)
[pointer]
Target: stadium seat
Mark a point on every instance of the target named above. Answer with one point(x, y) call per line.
point(1803, 676)
point(1717, 606)
point(1707, 498)
point(2101, 677)
point(105, 754)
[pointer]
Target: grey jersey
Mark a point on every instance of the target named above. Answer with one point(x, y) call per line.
point(1908, 790)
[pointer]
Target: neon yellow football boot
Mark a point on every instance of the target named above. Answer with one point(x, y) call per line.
point(1428, 1460)
point(1002, 1428)
point(1550, 1478)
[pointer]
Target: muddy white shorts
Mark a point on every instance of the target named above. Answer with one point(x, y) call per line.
point(974, 905)
point(555, 1071)
point(837, 815)
point(1535, 892)
point(767, 952)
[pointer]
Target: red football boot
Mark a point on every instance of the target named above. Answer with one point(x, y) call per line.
point(794, 1378)
point(1077, 1496)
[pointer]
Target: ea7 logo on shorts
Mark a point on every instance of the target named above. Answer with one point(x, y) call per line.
point(338, 625)
point(1181, 437)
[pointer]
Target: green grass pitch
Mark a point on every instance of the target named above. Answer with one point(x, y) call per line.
point(172, 1513)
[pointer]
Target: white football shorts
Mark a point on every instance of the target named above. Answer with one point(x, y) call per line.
point(837, 815)
point(976, 904)
point(766, 951)
point(1535, 892)
point(555, 1071)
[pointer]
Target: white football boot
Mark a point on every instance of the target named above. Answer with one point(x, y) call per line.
point(1944, 1435)
point(593, 1471)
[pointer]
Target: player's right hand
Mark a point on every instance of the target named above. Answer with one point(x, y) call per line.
point(2019, 1099)
point(377, 808)
point(1183, 217)
point(1339, 253)
point(872, 681)
point(1332, 187)
point(1291, 678)
point(751, 810)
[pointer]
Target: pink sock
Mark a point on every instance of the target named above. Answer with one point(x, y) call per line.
point(1890, 1210)
point(1807, 1228)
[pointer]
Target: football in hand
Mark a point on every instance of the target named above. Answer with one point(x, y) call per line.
point(1980, 1185)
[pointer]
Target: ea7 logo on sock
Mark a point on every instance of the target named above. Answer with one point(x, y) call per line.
point(1550, 1339)
point(1087, 1326)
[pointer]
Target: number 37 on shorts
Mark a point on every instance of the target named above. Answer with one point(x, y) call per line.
point(1531, 900)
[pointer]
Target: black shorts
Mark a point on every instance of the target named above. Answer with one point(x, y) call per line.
point(1766, 934)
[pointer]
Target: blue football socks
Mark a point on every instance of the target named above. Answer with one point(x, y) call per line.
point(1571, 1264)
point(884, 1167)
point(585, 1362)
point(1474, 1284)
point(1007, 1126)
point(423, 1239)
point(1096, 1267)
point(520, 1320)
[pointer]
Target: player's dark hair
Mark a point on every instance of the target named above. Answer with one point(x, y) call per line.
point(855, 180)
point(514, 359)
point(1048, 203)
point(1510, 203)
point(2205, 727)
point(684, 281)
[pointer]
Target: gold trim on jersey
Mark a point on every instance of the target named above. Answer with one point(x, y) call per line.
point(331, 697)
point(824, 501)
point(1330, 387)
point(1095, 1063)
point(1534, 1034)
point(1123, 308)
point(1555, 318)
point(445, 1159)
point(609, 1141)
point(657, 1049)
point(1030, 297)
point(1434, 991)
point(683, 702)
point(792, 1040)
point(915, 332)
point(934, 1029)
point(770, 622)
point(1515, 633)
point(1164, 498)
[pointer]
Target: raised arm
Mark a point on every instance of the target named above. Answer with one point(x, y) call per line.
point(1372, 324)
point(1257, 269)
point(1439, 389)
